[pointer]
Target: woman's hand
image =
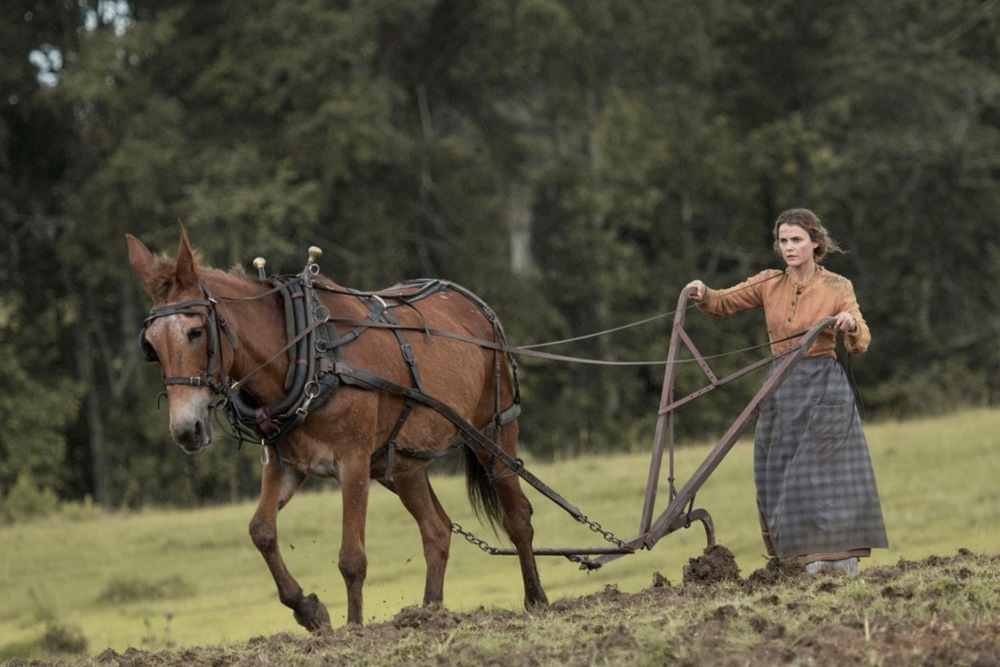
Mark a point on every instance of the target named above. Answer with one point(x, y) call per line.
point(845, 323)
point(698, 289)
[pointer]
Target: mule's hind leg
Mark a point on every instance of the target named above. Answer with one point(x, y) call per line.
point(353, 563)
point(278, 484)
point(516, 512)
point(418, 497)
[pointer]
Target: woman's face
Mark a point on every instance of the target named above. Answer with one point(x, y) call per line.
point(795, 245)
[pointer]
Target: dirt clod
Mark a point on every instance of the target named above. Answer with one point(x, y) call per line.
point(775, 572)
point(716, 565)
point(659, 581)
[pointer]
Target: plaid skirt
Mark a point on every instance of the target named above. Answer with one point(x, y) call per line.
point(816, 488)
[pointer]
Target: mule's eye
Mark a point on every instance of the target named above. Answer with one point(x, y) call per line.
point(195, 334)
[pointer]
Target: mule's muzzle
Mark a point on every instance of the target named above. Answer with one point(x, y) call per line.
point(193, 436)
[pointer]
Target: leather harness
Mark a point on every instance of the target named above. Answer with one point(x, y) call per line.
point(317, 367)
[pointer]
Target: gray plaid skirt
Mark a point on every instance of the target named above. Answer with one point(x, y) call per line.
point(815, 484)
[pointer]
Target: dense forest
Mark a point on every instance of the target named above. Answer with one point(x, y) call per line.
point(574, 162)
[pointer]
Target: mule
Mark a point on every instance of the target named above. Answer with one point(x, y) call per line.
point(215, 332)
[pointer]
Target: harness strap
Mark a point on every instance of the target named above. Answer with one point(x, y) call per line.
point(509, 415)
point(390, 445)
point(426, 287)
point(362, 378)
point(411, 361)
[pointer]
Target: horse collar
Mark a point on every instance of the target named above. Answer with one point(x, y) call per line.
point(310, 381)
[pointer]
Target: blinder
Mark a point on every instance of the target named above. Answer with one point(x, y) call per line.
point(146, 350)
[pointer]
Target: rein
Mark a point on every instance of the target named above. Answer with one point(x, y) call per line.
point(531, 351)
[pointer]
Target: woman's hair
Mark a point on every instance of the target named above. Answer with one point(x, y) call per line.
point(810, 222)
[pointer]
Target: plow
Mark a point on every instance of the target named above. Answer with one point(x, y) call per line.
point(680, 512)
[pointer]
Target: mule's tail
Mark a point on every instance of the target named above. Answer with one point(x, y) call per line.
point(481, 489)
point(482, 495)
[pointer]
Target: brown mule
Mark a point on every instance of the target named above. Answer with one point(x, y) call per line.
point(216, 332)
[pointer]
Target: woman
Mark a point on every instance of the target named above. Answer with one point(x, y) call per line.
point(816, 490)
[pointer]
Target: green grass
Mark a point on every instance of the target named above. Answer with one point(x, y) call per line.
point(155, 579)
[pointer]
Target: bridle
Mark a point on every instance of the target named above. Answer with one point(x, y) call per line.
point(214, 322)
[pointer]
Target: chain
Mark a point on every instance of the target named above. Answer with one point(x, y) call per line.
point(472, 539)
point(606, 534)
point(483, 545)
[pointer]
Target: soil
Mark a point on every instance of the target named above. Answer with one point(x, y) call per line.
point(714, 566)
point(713, 606)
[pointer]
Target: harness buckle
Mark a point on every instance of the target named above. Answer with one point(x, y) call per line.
point(311, 391)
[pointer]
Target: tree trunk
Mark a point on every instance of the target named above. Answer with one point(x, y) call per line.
point(519, 221)
point(85, 355)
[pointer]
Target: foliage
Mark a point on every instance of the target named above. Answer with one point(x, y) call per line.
point(58, 638)
point(35, 414)
point(25, 500)
point(574, 162)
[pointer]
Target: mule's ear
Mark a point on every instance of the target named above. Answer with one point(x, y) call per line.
point(186, 272)
point(141, 260)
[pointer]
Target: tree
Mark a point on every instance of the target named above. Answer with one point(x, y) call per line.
point(42, 393)
point(574, 162)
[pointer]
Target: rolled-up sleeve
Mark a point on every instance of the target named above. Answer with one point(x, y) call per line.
point(858, 340)
point(747, 295)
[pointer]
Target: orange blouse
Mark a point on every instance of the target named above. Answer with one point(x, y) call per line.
point(791, 308)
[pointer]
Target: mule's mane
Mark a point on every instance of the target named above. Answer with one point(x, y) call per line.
point(164, 275)
point(162, 278)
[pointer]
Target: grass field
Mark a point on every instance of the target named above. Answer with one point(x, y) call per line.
point(180, 578)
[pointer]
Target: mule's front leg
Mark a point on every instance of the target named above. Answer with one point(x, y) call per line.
point(279, 483)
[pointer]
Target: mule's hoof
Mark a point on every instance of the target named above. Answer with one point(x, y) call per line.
point(312, 615)
point(536, 600)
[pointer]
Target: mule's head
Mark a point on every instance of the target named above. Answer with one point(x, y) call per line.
point(179, 334)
